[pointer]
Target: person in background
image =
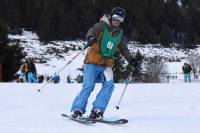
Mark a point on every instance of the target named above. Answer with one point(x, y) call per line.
point(105, 39)
point(186, 71)
point(56, 78)
point(40, 78)
point(25, 70)
point(17, 79)
point(32, 73)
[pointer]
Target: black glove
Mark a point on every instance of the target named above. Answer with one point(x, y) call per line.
point(133, 62)
point(91, 41)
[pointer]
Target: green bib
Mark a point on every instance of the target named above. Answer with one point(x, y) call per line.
point(109, 43)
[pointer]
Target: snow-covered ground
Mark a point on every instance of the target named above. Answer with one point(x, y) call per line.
point(150, 108)
point(56, 55)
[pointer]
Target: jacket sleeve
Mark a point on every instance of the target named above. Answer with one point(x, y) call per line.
point(190, 68)
point(34, 69)
point(183, 69)
point(94, 31)
point(124, 50)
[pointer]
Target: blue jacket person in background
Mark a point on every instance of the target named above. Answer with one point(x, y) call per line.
point(32, 73)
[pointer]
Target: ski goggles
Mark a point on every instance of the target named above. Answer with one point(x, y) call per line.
point(117, 17)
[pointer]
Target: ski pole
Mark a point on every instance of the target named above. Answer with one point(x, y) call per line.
point(129, 79)
point(62, 68)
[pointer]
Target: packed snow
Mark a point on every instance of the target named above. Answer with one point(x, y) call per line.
point(150, 108)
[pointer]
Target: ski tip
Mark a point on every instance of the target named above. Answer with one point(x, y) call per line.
point(63, 115)
point(125, 121)
point(120, 121)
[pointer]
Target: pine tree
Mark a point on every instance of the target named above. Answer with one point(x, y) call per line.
point(166, 35)
point(119, 69)
point(139, 58)
point(11, 60)
point(3, 32)
point(137, 66)
point(10, 56)
point(70, 19)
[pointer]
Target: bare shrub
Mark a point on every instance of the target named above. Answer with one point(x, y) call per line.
point(155, 69)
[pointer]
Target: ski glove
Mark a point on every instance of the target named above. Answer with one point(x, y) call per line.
point(133, 62)
point(91, 41)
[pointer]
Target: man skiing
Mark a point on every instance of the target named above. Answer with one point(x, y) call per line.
point(105, 38)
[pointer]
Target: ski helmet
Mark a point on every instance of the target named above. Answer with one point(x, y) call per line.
point(118, 13)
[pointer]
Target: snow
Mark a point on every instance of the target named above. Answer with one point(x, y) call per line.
point(54, 63)
point(150, 108)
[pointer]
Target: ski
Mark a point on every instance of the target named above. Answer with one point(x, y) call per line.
point(111, 122)
point(83, 120)
point(88, 121)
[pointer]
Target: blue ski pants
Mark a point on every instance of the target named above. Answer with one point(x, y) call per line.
point(92, 74)
point(187, 77)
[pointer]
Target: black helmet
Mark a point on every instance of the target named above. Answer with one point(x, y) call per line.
point(118, 13)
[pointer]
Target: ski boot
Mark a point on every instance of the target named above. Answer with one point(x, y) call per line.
point(77, 114)
point(96, 114)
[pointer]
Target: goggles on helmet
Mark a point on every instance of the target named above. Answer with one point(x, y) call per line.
point(117, 17)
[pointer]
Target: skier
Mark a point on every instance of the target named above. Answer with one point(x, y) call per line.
point(32, 73)
point(25, 71)
point(56, 78)
point(186, 71)
point(105, 38)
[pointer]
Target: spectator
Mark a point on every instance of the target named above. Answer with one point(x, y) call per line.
point(17, 79)
point(40, 79)
point(56, 78)
point(32, 73)
point(25, 71)
point(186, 71)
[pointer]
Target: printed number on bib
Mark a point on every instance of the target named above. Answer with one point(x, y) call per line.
point(110, 45)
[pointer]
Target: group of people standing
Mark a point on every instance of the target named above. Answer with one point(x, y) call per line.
point(29, 74)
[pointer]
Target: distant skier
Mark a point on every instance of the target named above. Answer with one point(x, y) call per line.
point(25, 71)
point(186, 71)
point(32, 73)
point(40, 78)
point(105, 38)
point(56, 78)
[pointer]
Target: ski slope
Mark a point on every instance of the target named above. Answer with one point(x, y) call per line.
point(150, 108)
